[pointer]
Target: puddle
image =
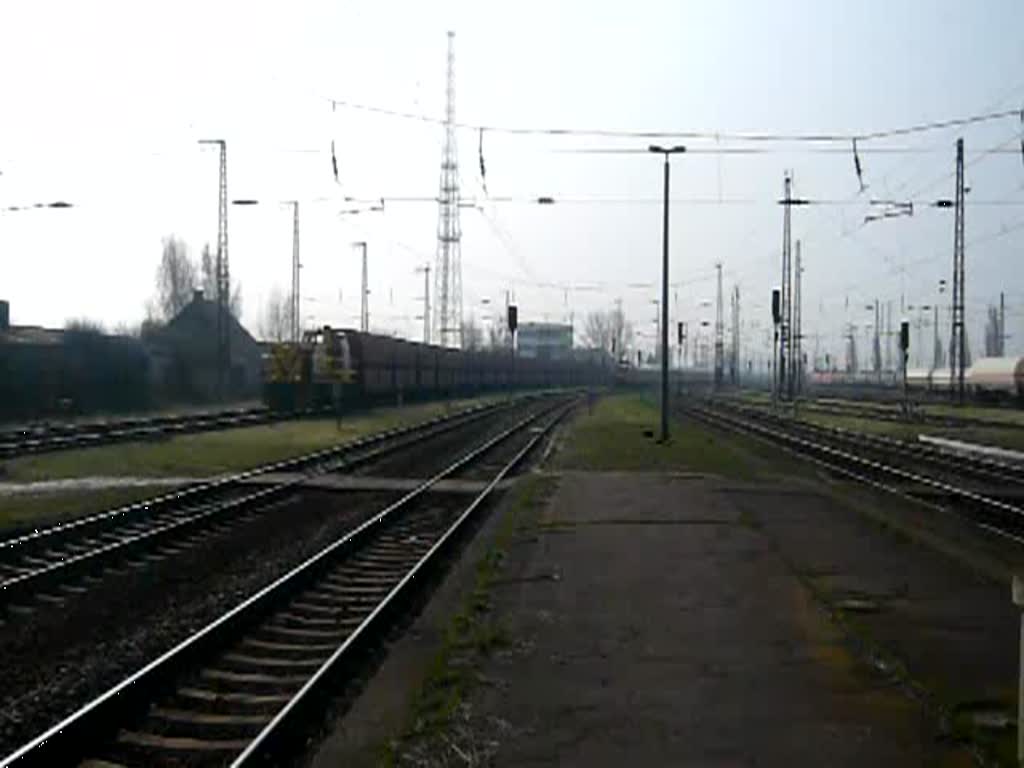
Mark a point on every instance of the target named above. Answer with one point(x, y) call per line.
point(64, 485)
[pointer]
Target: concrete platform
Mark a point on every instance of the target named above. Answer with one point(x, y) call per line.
point(365, 483)
point(655, 623)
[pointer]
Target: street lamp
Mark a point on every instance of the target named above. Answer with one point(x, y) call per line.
point(665, 151)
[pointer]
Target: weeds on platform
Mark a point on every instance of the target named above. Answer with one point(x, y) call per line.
point(443, 728)
point(620, 434)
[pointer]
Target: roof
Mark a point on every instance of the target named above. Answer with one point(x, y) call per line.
point(200, 315)
point(31, 334)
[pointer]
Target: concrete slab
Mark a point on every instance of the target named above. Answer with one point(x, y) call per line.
point(653, 625)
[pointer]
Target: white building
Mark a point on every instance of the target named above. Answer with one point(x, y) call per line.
point(545, 341)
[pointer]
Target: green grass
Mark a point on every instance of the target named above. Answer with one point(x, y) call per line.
point(612, 438)
point(1006, 438)
point(22, 511)
point(186, 456)
point(212, 453)
point(439, 706)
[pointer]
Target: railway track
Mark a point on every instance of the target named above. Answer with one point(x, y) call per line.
point(57, 563)
point(892, 413)
point(915, 455)
point(972, 487)
point(50, 437)
point(243, 690)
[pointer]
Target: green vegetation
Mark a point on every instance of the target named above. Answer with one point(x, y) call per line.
point(186, 456)
point(613, 438)
point(24, 510)
point(212, 453)
point(439, 714)
point(1010, 437)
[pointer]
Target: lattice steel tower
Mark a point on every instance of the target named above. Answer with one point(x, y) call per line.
point(448, 270)
point(223, 273)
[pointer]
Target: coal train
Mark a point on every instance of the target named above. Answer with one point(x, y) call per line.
point(338, 369)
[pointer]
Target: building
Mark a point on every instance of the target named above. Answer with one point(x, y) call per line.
point(57, 372)
point(184, 357)
point(545, 341)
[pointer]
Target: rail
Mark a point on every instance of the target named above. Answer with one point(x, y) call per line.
point(91, 727)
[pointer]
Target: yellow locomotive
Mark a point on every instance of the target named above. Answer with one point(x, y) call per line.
point(315, 373)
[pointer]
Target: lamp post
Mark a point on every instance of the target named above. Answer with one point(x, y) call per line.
point(665, 152)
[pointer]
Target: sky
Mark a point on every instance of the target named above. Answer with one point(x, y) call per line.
point(104, 104)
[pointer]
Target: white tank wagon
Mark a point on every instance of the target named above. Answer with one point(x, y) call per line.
point(996, 377)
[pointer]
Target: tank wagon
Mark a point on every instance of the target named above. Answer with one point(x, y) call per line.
point(994, 378)
point(988, 378)
point(343, 368)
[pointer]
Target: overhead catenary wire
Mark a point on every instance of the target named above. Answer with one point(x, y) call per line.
point(752, 136)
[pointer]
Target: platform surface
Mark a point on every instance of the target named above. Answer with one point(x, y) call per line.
point(653, 624)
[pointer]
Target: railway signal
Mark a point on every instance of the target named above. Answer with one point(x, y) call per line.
point(905, 351)
point(776, 319)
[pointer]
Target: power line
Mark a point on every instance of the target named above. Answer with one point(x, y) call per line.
point(823, 137)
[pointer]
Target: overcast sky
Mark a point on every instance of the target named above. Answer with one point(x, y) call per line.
point(103, 103)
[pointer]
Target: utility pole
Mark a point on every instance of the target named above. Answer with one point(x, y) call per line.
point(735, 357)
point(425, 269)
point(936, 344)
point(876, 347)
point(448, 275)
point(364, 308)
point(657, 331)
point(959, 341)
point(797, 352)
point(665, 151)
point(223, 273)
point(888, 335)
point(719, 331)
point(776, 346)
point(785, 295)
point(296, 266)
point(1002, 324)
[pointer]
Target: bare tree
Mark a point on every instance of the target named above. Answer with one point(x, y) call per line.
point(621, 333)
point(608, 331)
point(84, 325)
point(128, 329)
point(472, 335)
point(275, 324)
point(597, 333)
point(175, 278)
point(235, 301)
point(208, 274)
point(498, 336)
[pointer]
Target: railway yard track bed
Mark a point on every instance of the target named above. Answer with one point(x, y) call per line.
point(67, 642)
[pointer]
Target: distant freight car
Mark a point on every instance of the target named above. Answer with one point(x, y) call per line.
point(343, 368)
point(996, 377)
